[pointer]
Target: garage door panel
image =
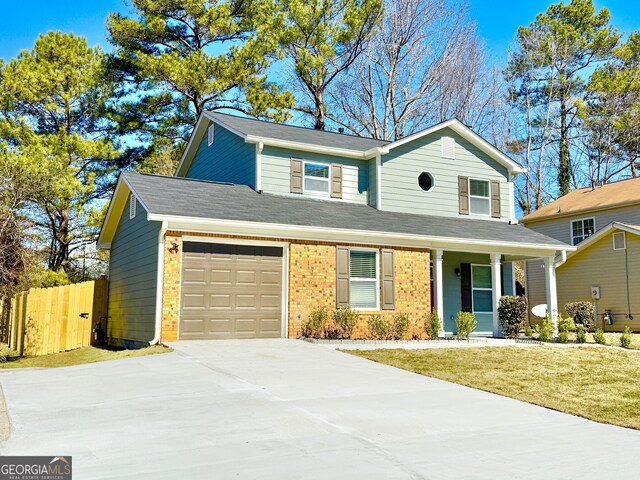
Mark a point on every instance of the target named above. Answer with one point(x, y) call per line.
point(231, 291)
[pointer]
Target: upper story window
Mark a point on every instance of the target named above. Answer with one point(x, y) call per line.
point(132, 206)
point(581, 229)
point(482, 296)
point(479, 197)
point(363, 279)
point(316, 177)
point(448, 147)
point(210, 134)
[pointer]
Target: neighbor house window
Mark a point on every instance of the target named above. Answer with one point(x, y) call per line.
point(482, 295)
point(479, 197)
point(316, 177)
point(581, 229)
point(363, 279)
point(132, 206)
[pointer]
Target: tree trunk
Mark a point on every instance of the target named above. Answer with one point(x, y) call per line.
point(320, 110)
point(564, 167)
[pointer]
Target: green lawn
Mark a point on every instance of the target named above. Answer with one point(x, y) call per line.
point(595, 383)
point(76, 357)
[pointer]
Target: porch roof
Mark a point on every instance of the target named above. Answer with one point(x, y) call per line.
point(174, 198)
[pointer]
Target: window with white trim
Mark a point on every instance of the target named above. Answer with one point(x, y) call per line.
point(481, 289)
point(316, 177)
point(211, 134)
point(581, 229)
point(479, 197)
point(132, 206)
point(619, 241)
point(448, 147)
point(363, 279)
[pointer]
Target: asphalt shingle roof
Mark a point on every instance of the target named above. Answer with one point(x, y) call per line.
point(280, 131)
point(202, 199)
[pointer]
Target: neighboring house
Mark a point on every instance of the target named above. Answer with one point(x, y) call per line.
point(262, 223)
point(603, 223)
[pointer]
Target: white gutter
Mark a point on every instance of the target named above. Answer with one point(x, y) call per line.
point(159, 284)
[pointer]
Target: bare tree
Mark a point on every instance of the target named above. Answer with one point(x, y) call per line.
point(424, 65)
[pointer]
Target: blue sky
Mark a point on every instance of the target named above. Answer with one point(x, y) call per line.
point(497, 20)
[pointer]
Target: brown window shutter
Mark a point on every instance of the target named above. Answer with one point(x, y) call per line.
point(388, 280)
point(495, 199)
point(336, 181)
point(342, 276)
point(463, 195)
point(296, 175)
point(465, 287)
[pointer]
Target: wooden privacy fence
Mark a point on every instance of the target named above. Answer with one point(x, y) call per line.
point(56, 319)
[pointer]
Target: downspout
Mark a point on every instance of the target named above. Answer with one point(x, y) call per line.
point(379, 181)
point(258, 180)
point(159, 284)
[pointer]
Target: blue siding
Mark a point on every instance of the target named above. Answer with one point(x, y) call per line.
point(228, 159)
point(401, 167)
point(133, 267)
point(276, 171)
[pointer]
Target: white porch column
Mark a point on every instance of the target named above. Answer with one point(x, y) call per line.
point(496, 291)
point(552, 293)
point(439, 286)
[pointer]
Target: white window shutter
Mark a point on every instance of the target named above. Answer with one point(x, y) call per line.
point(448, 147)
point(210, 134)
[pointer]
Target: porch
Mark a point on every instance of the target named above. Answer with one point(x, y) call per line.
point(474, 281)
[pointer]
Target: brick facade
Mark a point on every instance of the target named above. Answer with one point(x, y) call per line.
point(312, 282)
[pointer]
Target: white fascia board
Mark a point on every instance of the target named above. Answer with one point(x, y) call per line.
point(108, 218)
point(306, 147)
point(187, 149)
point(297, 232)
point(468, 135)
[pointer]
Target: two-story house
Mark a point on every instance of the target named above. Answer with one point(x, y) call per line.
point(263, 222)
point(603, 222)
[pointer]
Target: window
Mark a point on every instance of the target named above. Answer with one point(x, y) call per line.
point(581, 229)
point(448, 147)
point(363, 279)
point(210, 134)
point(482, 296)
point(132, 206)
point(479, 197)
point(619, 241)
point(316, 177)
point(426, 181)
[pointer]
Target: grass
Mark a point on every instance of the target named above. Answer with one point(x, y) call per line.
point(594, 383)
point(75, 357)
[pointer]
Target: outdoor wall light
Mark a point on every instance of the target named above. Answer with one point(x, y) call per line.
point(457, 270)
point(174, 247)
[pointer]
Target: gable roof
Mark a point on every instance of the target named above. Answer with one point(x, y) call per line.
point(319, 141)
point(611, 195)
point(604, 231)
point(175, 199)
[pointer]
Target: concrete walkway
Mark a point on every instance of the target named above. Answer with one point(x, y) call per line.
point(286, 409)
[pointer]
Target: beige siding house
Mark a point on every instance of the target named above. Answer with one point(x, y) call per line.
point(590, 219)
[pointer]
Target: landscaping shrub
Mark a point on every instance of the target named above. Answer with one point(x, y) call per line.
point(379, 329)
point(465, 324)
point(563, 336)
point(566, 324)
point(625, 338)
point(582, 313)
point(314, 326)
point(528, 332)
point(546, 330)
point(332, 331)
point(599, 337)
point(432, 324)
point(399, 326)
point(345, 319)
point(512, 312)
point(581, 334)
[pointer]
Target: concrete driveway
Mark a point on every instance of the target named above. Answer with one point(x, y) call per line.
point(285, 409)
